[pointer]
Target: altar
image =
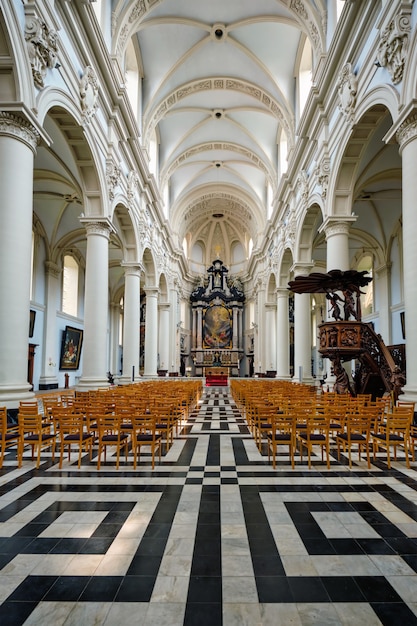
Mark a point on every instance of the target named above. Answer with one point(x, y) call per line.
point(217, 325)
point(216, 376)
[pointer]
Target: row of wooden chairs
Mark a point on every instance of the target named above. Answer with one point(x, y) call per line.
point(124, 418)
point(302, 419)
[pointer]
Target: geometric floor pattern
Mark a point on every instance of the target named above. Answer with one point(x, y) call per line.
point(212, 536)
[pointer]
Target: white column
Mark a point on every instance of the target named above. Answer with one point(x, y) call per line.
point(18, 141)
point(199, 328)
point(382, 300)
point(96, 307)
point(260, 336)
point(48, 379)
point(173, 343)
point(151, 332)
point(235, 341)
point(164, 315)
point(131, 322)
point(270, 336)
point(283, 335)
point(302, 332)
point(336, 230)
point(115, 339)
point(407, 138)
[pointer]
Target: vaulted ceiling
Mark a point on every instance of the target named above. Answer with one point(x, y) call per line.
point(218, 95)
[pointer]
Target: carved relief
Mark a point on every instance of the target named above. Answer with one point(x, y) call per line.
point(323, 171)
point(42, 48)
point(347, 90)
point(392, 49)
point(113, 174)
point(88, 93)
point(132, 185)
point(303, 186)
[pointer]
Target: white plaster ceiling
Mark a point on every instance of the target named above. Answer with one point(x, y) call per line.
point(218, 89)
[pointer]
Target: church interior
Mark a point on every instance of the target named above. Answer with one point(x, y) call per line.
point(207, 232)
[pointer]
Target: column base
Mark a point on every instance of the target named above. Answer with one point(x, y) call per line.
point(11, 395)
point(84, 384)
point(48, 382)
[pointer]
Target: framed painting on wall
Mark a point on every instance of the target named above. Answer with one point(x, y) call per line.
point(72, 340)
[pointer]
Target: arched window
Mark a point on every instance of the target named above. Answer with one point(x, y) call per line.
point(70, 286)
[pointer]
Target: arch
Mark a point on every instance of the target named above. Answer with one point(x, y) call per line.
point(82, 142)
point(307, 233)
point(346, 165)
point(149, 266)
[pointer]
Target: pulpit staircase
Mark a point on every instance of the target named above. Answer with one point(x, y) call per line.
point(380, 368)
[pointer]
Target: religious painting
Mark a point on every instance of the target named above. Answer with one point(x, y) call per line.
point(217, 327)
point(72, 339)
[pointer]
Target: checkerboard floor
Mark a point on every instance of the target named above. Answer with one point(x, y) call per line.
point(213, 536)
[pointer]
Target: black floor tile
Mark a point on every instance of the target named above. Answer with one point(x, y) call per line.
point(308, 589)
point(394, 614)
point(205, 589)
point(273, 589)
point(101, 589)
point(203, 614)
point(377, 589)
point(135, 589)
point(15, 613)
point(342, 589)
point(33, 588)
point(67, 589)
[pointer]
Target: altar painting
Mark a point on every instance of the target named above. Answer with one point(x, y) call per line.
point(217, 327)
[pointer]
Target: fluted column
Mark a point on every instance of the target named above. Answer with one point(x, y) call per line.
point(18, 142)
point(48, 379)
point(131, 322)
point(407, 138)
point(283, 335)
point(151, 332)
point(164, 313)
point(96, 306)
point(302, 331)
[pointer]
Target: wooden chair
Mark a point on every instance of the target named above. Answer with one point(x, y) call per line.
point(9, 435)
point(72, 433)
point(145, 433)
point(356, 433)
point(393, 431)
point(35, 432)
point(111, 434)
point(282, 433)
point(315, 432)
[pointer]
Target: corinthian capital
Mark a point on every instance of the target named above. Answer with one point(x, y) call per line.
point(17, 127)
point(408, 130)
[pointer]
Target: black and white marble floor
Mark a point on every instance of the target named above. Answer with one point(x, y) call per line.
point(213, 536)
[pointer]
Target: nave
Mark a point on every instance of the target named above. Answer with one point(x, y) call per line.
point(212, 536)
